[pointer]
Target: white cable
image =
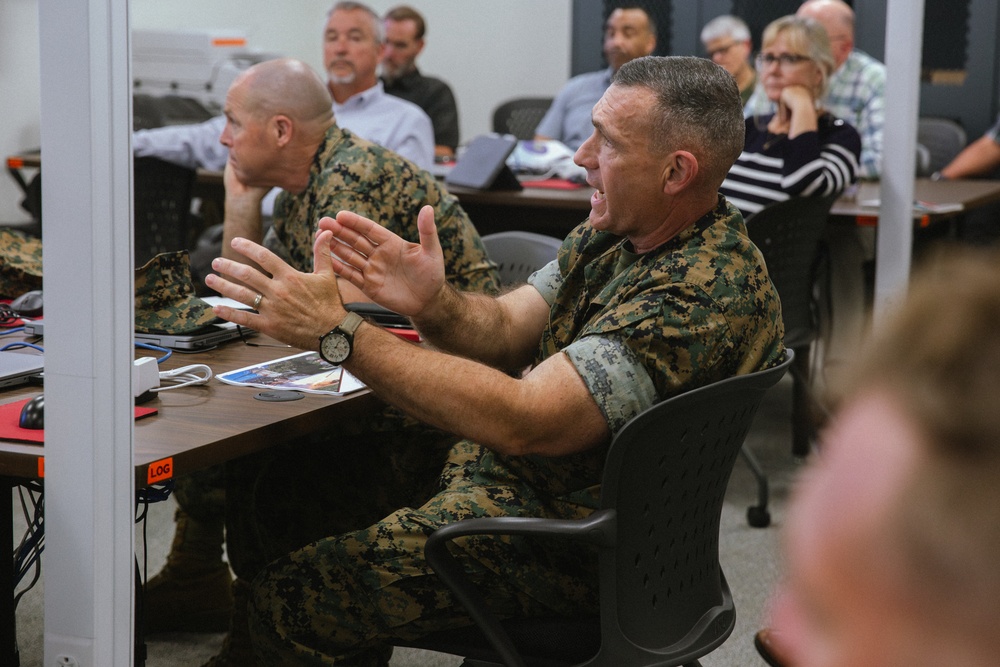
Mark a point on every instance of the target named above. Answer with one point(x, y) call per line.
point(185, 376)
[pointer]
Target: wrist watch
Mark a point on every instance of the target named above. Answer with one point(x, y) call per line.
point(336, 346)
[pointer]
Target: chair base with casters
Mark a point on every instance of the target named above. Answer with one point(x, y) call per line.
point(789, 235)
point(664, 599)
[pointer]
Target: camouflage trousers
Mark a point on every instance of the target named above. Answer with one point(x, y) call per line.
point(202, 494)
point(282, 498)
point(345, 599)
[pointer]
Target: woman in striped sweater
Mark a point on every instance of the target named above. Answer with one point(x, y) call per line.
point(799, 151)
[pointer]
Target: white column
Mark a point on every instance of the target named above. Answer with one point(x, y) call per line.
point(85, 139)
point(903, 40)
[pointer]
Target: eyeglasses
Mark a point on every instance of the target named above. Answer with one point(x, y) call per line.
point(764, 60)
point(722, 50)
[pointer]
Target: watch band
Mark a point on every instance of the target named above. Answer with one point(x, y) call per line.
point(350, 323)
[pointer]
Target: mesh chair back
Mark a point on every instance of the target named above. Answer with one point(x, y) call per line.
point(520, 116)
point(788, 235)
point(162, 207)
point(149, 111)
point(943, 138)
point(518, 254)
point(663, 591)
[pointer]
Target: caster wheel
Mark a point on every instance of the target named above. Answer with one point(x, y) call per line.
point(758, 517)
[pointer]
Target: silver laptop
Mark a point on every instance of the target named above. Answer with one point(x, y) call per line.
point(204, 338)
point(18, 367)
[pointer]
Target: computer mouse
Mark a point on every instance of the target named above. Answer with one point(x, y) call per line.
point(33, 413)
point(28, 304)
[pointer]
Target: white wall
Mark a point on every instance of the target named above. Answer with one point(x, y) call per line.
point(19, 93)
point(488, 51)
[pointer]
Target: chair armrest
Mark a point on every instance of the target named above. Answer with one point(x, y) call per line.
point(598, 528)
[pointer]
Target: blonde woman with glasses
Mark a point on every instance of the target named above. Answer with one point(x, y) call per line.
point(800, 150)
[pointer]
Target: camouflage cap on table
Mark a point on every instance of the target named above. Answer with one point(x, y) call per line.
point(165, 300)
point(20, 263)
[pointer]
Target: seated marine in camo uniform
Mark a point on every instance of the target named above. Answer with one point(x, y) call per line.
point(658, 292)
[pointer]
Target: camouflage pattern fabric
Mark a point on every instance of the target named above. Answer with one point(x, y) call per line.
point(698, 309)
point(20, 263)
point(165, 301)
point(351, 174)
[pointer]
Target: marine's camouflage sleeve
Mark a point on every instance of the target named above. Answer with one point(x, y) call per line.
point(698, 310)
point(351, 174)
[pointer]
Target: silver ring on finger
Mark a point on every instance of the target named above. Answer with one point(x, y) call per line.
point(256, 301)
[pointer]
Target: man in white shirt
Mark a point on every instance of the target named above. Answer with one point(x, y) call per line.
point(352, 46)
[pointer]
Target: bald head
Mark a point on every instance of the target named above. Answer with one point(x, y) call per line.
point(837, 19)
point(277, 115)
point(289, 87)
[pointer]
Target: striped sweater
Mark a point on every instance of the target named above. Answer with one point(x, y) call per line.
point(773, 168)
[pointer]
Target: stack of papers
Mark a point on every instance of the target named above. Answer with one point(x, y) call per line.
point(305, 372)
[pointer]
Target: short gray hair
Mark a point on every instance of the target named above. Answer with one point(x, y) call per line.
point(726, 25)
point(350, 6)
point(698, 109)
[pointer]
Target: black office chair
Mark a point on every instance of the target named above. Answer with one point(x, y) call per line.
point(520, 116)
point(518, 254)
point(789, 235)
point(664, 599)
point(162, 194)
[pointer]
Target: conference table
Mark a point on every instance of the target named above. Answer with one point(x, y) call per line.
point(554, 208)
point(194, 427)
point(556, 212)
point(934, 200)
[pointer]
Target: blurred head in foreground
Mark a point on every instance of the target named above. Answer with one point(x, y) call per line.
point(893, 535)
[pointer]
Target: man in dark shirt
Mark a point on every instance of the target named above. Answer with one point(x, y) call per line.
point(404, 40)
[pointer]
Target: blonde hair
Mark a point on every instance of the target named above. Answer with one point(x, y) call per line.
point(807, 37)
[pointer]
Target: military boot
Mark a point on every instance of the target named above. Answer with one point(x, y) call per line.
point(236, 649)
point(193, 591)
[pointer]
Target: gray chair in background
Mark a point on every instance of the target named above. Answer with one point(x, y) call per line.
point(520, 116)
point(943, 138)
point(664, 599)
point(518, 254)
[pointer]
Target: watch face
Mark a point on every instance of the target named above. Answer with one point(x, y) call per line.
point(335, 347)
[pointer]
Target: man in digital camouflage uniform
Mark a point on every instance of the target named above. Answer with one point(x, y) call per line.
point(281, 132)
point(659, 292)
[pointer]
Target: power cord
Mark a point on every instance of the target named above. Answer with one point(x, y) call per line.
point(27, 554)
point(184, 376)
